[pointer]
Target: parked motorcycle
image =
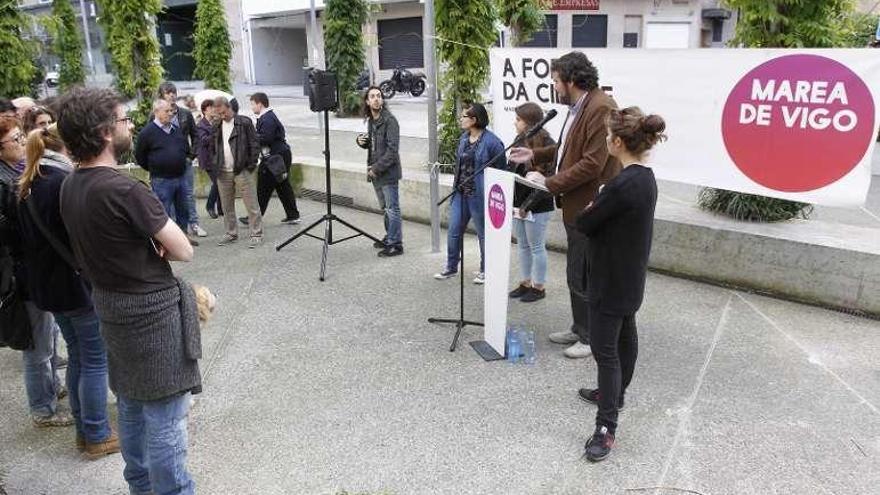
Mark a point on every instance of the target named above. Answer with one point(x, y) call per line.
point(403, 81)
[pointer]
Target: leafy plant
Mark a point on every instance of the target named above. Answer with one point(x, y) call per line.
point(750, 207)
point(212, 49)
point(67, 44)
point(522, 17)
point(344, 47)
point(465, 31)
point(129, 26)
point(17, 72)
point(780, 24)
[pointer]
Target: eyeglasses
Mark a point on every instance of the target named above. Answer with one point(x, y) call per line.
point(20, 138)
point(124, 120)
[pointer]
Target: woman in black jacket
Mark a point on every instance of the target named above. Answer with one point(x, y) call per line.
point(619, 224)
point(56, 286)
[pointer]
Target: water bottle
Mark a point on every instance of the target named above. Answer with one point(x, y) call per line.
point(529, 349)
point(514, 347)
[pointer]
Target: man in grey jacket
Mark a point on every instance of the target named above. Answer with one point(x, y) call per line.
point(383, 167)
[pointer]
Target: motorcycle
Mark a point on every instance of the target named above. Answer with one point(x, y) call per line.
point(403, 81)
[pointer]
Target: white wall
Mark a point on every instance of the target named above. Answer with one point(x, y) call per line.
point(278, 55)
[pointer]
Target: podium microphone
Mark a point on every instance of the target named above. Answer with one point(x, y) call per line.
point(540, 125)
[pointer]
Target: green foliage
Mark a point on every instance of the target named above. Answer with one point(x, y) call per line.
point(859, 29)
point(344, 48)
point(523, 17)
point(212, 46)
point(67, 45)
point(129, 26)
point(17, 72)
point(750, 207)
point(465, 31)
point(791, 23)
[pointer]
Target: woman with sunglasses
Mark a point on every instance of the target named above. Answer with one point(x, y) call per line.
point(476, 146)
point(40, 374)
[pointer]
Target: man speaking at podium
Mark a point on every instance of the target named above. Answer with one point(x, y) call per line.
point(582, 164)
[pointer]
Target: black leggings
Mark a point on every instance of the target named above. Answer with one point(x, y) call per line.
point(615, 344)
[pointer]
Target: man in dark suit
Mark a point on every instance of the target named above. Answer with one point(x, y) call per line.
point(272, 142)
point(582, 165)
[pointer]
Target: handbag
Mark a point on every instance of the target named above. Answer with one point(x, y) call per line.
point(275, 165)
point(15, 324)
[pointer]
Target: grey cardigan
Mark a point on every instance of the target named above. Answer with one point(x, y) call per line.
point(153, 341)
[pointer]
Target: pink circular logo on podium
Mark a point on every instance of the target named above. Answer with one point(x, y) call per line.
point(798, 123)
point(497, 206)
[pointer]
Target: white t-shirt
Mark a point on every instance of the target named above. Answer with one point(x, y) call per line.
point(228, 159)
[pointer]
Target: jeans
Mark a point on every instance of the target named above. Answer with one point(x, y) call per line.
point(246, 183)
point(40, 376)
point(86, 373)
point(530, 241)
point(577, 271)
point(172, 194)
point(389, 200)
point(615, 345)
point(153, 440)
point(213, 203)
point(190, 193)
point(462, 209)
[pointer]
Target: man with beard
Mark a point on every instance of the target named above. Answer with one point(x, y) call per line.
point(148, 317)
point(582, 165)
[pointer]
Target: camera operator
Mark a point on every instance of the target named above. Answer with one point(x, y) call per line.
point(383, 167)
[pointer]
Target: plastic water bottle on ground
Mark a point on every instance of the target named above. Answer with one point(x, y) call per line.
point(514, 344)
point(528, 346)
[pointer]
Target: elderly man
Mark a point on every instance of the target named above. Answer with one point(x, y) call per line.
point(236, 149)
point(162, 151)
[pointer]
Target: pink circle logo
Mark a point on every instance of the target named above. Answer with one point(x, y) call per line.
point(497, 206)
point(798, 123)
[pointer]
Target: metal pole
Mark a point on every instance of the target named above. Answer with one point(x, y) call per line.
point(85, 21)
point(433, 145)
point(313, 57)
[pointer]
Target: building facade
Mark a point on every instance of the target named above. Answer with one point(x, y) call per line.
point(174, 30)
point(277, 42)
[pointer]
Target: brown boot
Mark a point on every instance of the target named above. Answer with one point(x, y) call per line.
point(97, 450)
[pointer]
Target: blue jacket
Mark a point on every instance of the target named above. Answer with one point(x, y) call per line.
point(271, 133)
point(489, 146)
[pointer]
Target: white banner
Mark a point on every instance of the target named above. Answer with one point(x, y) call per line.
point(498, 223)
point(792, 124)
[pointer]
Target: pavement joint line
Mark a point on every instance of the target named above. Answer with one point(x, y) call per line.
point(224, 339)
point(812, 359)
point(870, 213)
point(688, 409)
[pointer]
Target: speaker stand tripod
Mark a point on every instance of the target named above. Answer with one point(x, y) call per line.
point(328, 218)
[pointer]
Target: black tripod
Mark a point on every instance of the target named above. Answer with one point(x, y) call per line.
point(328, 218)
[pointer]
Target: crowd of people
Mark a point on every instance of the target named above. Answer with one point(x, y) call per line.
point(85, 249)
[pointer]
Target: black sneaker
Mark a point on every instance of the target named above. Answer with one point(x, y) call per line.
point(533, 295)
point(391, 251)
point(591, 395)
point(379, 244)
point(519, 291)
point(599, 445)
point(291, 220)
point(244, 220)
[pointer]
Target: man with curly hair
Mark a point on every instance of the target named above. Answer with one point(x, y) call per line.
point(582, 165)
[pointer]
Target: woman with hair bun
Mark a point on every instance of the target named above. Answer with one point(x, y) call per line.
point(619, 224)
